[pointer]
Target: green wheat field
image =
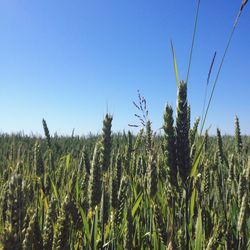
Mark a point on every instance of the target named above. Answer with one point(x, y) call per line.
point(178, 189)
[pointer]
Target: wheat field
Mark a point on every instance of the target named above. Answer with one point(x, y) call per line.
point(174, 190)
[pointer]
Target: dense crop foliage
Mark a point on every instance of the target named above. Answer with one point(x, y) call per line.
point(177, 190)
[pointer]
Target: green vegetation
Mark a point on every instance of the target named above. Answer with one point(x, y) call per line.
point(176, 190)
point(121, 191)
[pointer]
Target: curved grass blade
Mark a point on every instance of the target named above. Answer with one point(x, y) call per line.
point(137, 203)
point(208, 80)
point(85, 224)
point(222, 62)
point(175, 65)
point(198, 232)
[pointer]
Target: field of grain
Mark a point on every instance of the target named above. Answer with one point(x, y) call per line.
point(177, 188)
point(174, 190)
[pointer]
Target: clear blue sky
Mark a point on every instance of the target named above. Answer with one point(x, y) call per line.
point(67, 61)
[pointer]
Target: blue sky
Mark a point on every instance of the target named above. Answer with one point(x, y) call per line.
point(71, 61)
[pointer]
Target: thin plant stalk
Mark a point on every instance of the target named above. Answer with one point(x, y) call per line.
point(208, 80)
point(219, 69)
point(193, 40)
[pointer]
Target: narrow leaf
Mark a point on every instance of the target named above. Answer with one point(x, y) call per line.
point(137, 204)
point(198, 232)
point(175, 65)
point(85, 224)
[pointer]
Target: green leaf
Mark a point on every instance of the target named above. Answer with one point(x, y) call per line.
point(94, 230)
point(85, 224)
point(175, 65)
point(192, 205)
point(198, 232)
point(54, 188)
point(137, 203)
point(107, 230)
point(77, 189)
point(67, 161)
point(197, 160)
